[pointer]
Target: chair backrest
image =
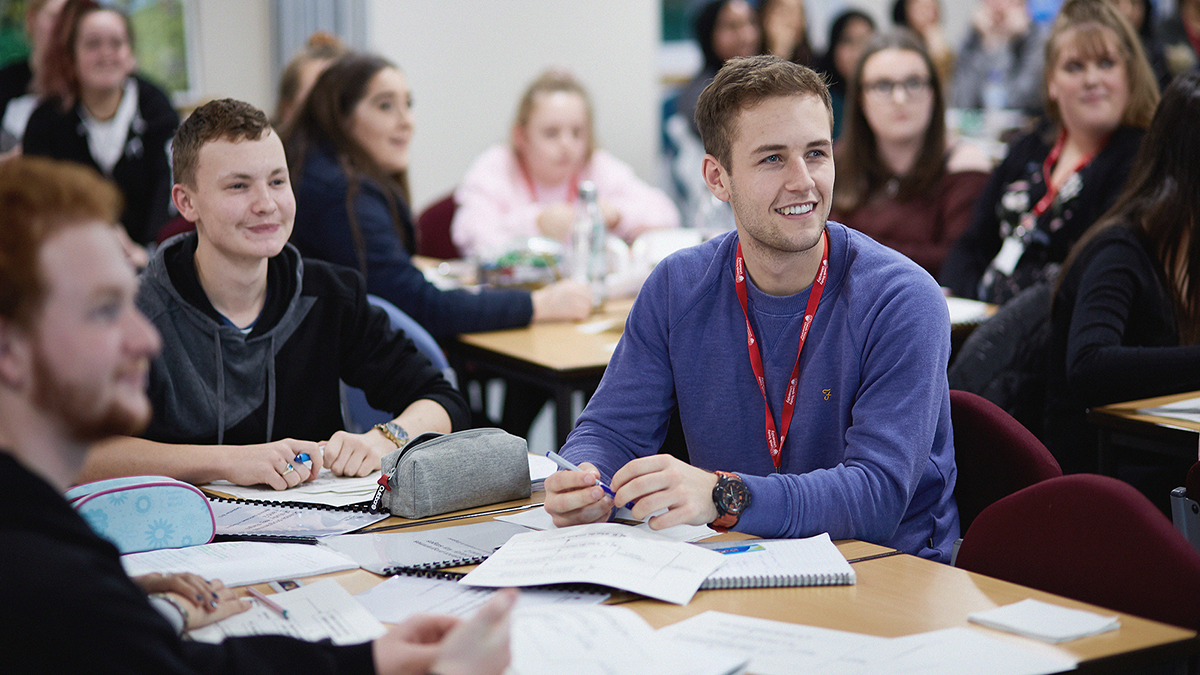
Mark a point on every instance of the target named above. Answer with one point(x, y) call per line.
point(357, 414)
point(995, 454)
point(1092, 538)
point(433, 230)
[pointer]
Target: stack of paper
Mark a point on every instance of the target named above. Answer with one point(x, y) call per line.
point(240, 517)
point(539, 519)
point(606, 639)
point(428, 549)
point(326, 489)
point(401, 597)
point(1045, 622)
point(609, 554)
point(319, 611)
point(239, 563)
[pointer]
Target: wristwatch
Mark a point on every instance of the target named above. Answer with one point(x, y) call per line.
point(393, 432)
point(731, 497)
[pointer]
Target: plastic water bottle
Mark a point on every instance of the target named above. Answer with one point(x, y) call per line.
point(591, 243)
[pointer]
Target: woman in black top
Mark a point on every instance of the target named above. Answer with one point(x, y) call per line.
point(1055, 182)
point(1126, 315)
point(100, 114)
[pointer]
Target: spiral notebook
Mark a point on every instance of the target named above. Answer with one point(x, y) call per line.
point(769, 563)
point(243, 519)
point(388, 552)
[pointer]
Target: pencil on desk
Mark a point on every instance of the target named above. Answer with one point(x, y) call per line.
point(269, 603)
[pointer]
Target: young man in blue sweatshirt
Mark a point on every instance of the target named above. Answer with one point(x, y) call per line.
point(806, 361)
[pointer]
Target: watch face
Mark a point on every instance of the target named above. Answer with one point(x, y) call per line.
point(732, 496)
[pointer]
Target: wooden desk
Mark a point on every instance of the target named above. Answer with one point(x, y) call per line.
point(557, 356)
point(894, 596)
point(1123, 427)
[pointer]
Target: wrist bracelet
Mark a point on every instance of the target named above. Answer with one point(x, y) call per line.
point(183, 612)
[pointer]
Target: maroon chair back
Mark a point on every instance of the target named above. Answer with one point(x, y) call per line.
point(1193, 482)
point(1092, 538)
point(174, 226)
point(433, 230)
point(995, 454)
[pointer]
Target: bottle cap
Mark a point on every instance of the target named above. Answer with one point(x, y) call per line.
point(587, 190)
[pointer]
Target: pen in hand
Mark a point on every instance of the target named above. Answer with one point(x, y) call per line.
point(566, 464)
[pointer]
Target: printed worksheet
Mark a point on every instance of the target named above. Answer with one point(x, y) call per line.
point(609, 554)
point(318, 611)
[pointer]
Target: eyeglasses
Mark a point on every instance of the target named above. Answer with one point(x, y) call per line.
point(913, 87)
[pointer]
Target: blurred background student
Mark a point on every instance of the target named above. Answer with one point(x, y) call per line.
point(848, 36)
point(1057, 180)
point(302, 71)
point(1126, 317)
point(784, 28)
point(348, 155)
point(724, 29)
point(1140, 14)
point(529, 188)
point(19, 88)
point(100, 114)
point(899, 179)
point(1180, 34)
point(924, 17)
point(999, 67)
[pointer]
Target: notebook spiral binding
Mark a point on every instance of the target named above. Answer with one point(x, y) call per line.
point(431, 572)
point(360, 507)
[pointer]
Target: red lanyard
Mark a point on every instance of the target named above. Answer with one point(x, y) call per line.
point(774, 442)
point(1048, 169)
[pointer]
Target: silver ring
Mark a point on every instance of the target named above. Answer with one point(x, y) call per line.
point(289, 470)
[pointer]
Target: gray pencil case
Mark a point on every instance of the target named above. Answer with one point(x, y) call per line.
point(437, 473)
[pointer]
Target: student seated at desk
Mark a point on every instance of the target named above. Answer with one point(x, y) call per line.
point(256, 338)
point(348, 151)
point(1126, 314)
point(860, 447)
point(74, 352)
point(528, 188)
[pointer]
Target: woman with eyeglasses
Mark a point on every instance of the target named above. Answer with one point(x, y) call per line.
point(1056, 181)
point(899, 179)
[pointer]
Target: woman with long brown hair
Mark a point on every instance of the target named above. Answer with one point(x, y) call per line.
point(899, 178)
point(348, 153)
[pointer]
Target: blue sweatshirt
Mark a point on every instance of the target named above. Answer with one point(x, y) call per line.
point(870, 451)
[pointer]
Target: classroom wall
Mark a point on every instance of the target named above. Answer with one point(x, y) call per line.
point(233, 39)
point(467, 62)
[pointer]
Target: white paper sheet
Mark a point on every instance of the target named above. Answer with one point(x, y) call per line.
point(326, 489)
point(960, 650)
point(1044, 621)
point(603, 553)
point(440, 547)
point(539, 519)
point(604, 640)
point(401, 597)
point(239, 563)
point(774, 647)
point(315, 612)
point(1188, 410)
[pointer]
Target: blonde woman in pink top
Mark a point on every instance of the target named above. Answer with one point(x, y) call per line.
point(529, 188)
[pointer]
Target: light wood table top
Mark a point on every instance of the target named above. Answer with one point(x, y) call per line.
point(894, 596)
point(560, 346)
point(1122, 427)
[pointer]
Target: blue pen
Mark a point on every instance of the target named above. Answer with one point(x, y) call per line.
point(564, 463)
point(304, 459)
